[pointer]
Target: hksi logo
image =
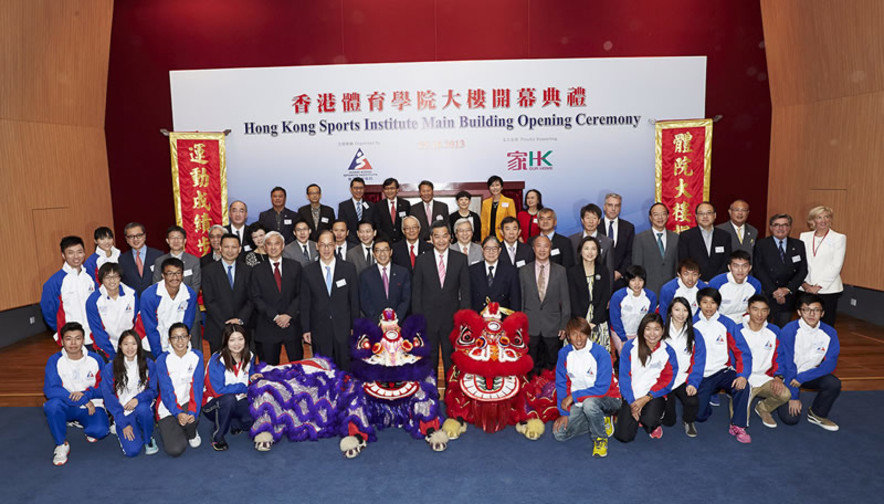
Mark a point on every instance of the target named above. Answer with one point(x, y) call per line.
point(531, 160)
point(359, 162)
point(768, 345)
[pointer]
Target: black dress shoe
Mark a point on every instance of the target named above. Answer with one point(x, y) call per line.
point(219, 445)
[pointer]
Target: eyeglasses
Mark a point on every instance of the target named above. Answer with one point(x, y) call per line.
point(385, 250)
point(135, 236)
point(325, 245)
point(780, 225)
point(809, 311)
point(705, 214)
point(491, 249)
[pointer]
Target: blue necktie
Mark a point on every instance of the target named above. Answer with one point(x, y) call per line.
point(660, 244)
point(783, 251)
point(611, 231)
point(328, 279)
point(359, 211)
point(230, 275)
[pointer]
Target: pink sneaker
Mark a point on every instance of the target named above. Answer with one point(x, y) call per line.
point(657, 433)
point(740, 433)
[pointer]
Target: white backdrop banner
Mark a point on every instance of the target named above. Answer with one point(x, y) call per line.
point(575, 129)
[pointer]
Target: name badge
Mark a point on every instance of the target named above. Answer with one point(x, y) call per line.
point(323, 220)
point(187, 273)
point(520, 263)
point(554, 252)
point(342, 282)
point(151, 267)
point(796, 258)
point(535, 220)
point(287, 222)
point(438, 217)
point(247, 248)
point(504, 205)
point(719, 250)
point(364, 205)
point(402, 214)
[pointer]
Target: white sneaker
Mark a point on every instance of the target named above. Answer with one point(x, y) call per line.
point(60, 455)
point(195, 442)
point(91, 439)
point(113, 428)
point(151, 448)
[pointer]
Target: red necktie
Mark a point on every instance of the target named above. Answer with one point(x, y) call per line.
point(278, 276)
point(140, 264)
point(411, 253)
point(393, 212)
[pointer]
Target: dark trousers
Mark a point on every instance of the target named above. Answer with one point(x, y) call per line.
point(650, 418)
point(830, 307)
point(781, 314)
point(335, 349)
point(174, 435)
point(226, 411)
point(828, 389)
point(689, 404)
point(269, 352)
point(722, 381)
point(439, 337)
point(544, 351)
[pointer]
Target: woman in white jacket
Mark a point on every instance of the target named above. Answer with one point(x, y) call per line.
point(825, 257)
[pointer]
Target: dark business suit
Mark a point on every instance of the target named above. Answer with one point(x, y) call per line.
point(373, 299)
point(646, 254)
point(130, 270)
point(774, 273)
point(223, 302)
point(402, 256)
point(270, 302)
point(288, 219)
point(561, 250)
point(392, 229)
point(210, 258)
point(578, 290)
point(545, 318)
point(357, 257)
point(691, 244)
point(750, 237)
point(347, 212)
point(245, 239)
point(439, 302)
point(606, 252)
point(504, 289)
point(326, 219)
point(524, 254)
point(440, 214)
point(295, 252)
point(329, 317)
point(622, 249)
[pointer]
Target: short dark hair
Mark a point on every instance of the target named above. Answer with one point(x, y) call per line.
point(277, 188)
point(494, 178)
point(578, 324)
point(356, 179)
point(381, 238)
point(740, 255)
point(757, 298)
point(370, 223)
point(102, 232)
point(307, 191)
point(635, 271)
point(342, 221)
point(70, 241)
point(687, 264)
point(134, 224)
point(440, 224)
point(590, 208)
point(426, 183)
point(391, 180)
point(651, 210)
point(509, 219)
point(463, 194)
point(808, 299)
point(178, 325)
point(710, 292)
point(539, 198)
point(696, 208)
point(172, 229)
point(598, 250)
point(227, 236)
point(71, 327)
point(171, 261)
point(780, 216)
point(257, 226)
point(108, 268)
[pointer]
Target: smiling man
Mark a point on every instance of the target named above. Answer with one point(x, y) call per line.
point(707, 245)
point(65, 293)
point(781, 267)
point(138, 261)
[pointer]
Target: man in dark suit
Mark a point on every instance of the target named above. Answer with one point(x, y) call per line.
point(623, 234)
point(356, 209)
point(318, 216)
point(780, 264)
point(492, 280)
point(239, 213)
point(279, 218)
point(360, 255)
point(303, 249)
point(376, 293)
point(562, 250)
point(406, 252)
point(440, 287)
point(656, 249)
point(138, 262)
point(275, 289)
point(514, 252)
point(743, 235)
point(226, 291)
point(590, 217)
point(214, 253)
point(329, 303)
point(428, 210)
point(389, 212)
point(547, 303)
point(705, 244)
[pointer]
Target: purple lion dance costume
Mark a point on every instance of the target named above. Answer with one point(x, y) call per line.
point(392, 365)
point(309, 400)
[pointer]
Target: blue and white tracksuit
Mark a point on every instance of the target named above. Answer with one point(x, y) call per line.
point(180, 381)
point(735, 296)
point(109, 317)
point(588, 377)
point(64, 300)
point(97, 260)
point(655, 377)
point(225, 399)
point(676, 288)
point(727, 358)
point(141, 419)
point(64, 376)
point(158, 311)
point(627, 310)
point(807, 352)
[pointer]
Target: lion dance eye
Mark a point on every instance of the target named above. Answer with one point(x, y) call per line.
point(504, 341)
point(376, 348)
point(406, 345)
point(466, 336)
point(364, 343)
point(418, 342)
point(517, 340)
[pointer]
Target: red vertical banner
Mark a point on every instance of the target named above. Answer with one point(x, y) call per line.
point(199, 180)
point(684, 153)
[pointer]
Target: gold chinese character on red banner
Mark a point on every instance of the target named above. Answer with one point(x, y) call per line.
point(682, 142)
point(199, 183)
point(682, 211)
point(198, 153)
point(204, 245)
point(200, 177)
point(201, 200)
point(202, 222)
point(683, 166)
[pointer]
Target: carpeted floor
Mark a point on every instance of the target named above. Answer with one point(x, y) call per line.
point(788, 464)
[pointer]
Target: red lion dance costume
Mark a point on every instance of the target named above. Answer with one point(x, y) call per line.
point(487, 385)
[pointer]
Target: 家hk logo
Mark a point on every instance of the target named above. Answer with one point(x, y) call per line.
point(360, 162)
point(531, 160)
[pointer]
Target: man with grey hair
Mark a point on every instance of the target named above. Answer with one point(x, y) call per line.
point(463, 234)
point(622, 232)
point(238, 212)
point(215, 234)
point(406, 252)
point(780, 264)
point(743, 235)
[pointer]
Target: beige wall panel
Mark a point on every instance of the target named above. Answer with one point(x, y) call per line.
point(53, 59)
point(823, 49)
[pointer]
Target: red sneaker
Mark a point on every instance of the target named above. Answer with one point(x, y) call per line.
point(740, 433)
point(657, 433)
